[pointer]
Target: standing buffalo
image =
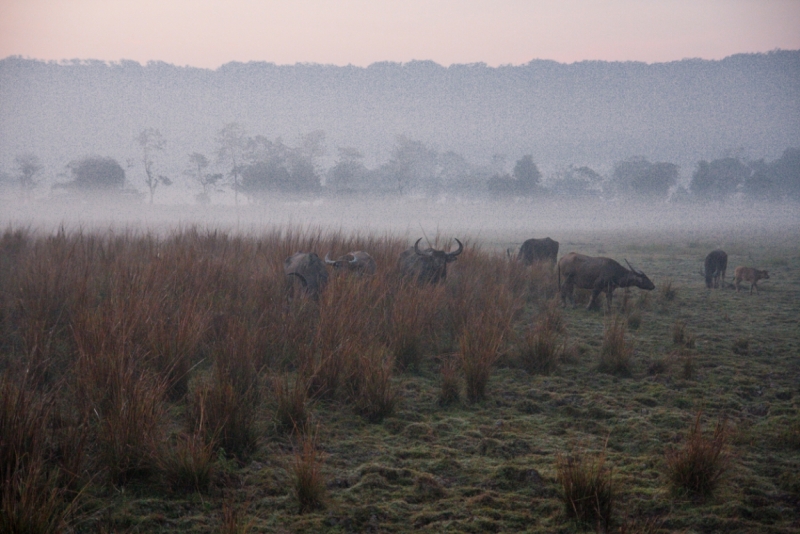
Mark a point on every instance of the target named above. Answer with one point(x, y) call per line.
point(598, 274)
point(749, 274)
point(309, 269)
point(715, 265)
point(358, 262)
point(427, 265)
point(536, 250)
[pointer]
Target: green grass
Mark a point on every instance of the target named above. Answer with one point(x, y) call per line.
point(401, 442)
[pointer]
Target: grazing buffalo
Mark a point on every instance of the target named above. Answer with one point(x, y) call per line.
point(427, 265)
point(748, 274)
point(309, 269)
point(358, 262)
point(714, 266)
point(536, 250)
point(598, 274)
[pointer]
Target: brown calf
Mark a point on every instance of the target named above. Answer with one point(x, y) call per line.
point(749, 274)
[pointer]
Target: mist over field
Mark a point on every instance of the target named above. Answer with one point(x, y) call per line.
point(708, 150)
point(492, 224)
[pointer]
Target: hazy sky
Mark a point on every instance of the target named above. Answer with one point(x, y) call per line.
point(209, 33)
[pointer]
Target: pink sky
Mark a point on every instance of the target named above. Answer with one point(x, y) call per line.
point(209, 33)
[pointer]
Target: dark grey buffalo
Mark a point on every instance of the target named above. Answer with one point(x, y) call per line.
point(714, 268)
point(429, 265)
point(358, 262)
point(598, 274)
point(309, 269)
point(536, 250)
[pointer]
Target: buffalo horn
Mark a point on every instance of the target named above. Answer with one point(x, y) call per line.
point(328, 260)
point(632, 269)
point(457, 252)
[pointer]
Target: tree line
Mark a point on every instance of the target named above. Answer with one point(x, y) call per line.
point(257, 167)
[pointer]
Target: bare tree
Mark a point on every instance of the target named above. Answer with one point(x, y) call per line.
point(28, 166)
point(232, 142)
point(151, 141)
point(198, 164)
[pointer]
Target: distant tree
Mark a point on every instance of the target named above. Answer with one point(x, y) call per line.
point(232, 143)
point(151, 141)
point(454, 172)
point(348, 174)
point(198, 165)
point(28, 166)
point(719, 179)
point(637, 177)
point(523, 182)
point(786, 172)
point(412, 164)
point(272, 166)
point(95, 173)
point(577, 182)
point(527, 175)
point(312, 147)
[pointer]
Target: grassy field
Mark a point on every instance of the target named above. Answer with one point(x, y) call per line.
point(180, 383)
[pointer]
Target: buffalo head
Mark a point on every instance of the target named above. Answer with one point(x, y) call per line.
point(429, 265)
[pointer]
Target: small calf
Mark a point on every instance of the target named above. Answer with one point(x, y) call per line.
point(749, 274)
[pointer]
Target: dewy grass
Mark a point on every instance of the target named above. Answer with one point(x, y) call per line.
point(92, 378)
point(308, 484)
point(615, 351)
point(700, 463)
point(588, 489)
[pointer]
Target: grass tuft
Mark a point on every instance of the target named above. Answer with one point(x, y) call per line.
point(698, 466)
point(588, 490)
point(615, 352)
point(308, 484)
point(450, 391)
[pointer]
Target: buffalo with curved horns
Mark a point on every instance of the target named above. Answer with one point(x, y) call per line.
point(536, 250)
point(429, 265)
point(358, 262)
point(598, 274)
point(309, 269)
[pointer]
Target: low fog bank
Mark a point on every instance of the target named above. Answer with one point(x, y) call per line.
point(490, 222)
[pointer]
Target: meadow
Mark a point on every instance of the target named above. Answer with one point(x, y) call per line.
point(180, 382)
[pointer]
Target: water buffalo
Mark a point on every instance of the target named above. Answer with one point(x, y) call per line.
point(536, 250)
point(749, 274)
point(358, 262)
point(714, 266)
point(309, 269)
point(598, 274)
point(427, 265)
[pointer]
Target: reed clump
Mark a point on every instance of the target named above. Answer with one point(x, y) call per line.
point(698, 466)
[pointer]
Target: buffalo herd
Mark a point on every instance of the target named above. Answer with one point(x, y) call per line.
point(595, 273)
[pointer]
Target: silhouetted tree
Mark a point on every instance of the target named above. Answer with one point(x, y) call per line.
point(28, 166)
point(151, 141)
point(786, 172)
point(198, 164)
point(95, 173)
point(577, 182)
point(523, 182)
point(527, 175)
point(412, 164)
point(274, 166)
point(348, 174)
point(232, 142)
point(637, 177)
point(719, 179)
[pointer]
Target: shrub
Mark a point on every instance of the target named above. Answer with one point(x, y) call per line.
point(308, 484)
point(615, 351)
point(187, 462)
point(540, 350)
point(588, 490)
point(450, 391)
point(291, 403)
point(479, 346)
point(701, 462)
point(370, 384)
